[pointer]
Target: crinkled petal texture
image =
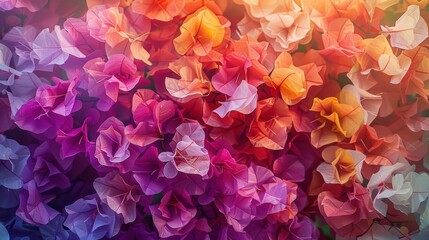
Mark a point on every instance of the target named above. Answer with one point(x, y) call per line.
point(119, 193)
point(89, 218)
point(409, 31)
point(189, 154)
point(13, 158)
point(174, 215)
point(113, 148)
point(271, 125)
point(243, 100)
point(192, 83)
point(340, 118)
point(199, 33)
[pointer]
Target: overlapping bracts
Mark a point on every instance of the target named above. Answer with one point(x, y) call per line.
point(214, 119)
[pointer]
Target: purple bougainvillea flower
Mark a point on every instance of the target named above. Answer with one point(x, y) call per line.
point(189, 155)
point(74, 141)
point(112, 147)
point(13, 158)
point(174, 215)
point(32, 208)
point(48, 169)
point(120, 194)
point(147, 171)
point(91, 219)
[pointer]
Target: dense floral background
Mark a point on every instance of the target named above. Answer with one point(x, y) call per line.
point(214, 119)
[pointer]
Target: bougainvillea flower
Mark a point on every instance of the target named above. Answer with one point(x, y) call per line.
point(49, 171)
point(150, 113)
point(74, 141)
point(409, 31)
point(147, 171)
point(378, 55)
point(379, 150)
point(60, 98)
point(271, 125)
point(200, 32)
point(245, 63)
point(89, 218)
point(158, 9)
point(260, 8)
point(113, 148)
point(112, 26)
point(119, 194)
point(243, 100)
point(340, 165)
point(174, 215)
point(340, 118)
point(290, 80)
point(13, 158)
point(192, 83)
point(284, 30)
point(32, 208)
point(347, 209)
point(339, 36)
point(189, 154)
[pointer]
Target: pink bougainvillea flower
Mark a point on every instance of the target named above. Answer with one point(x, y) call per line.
point(200, 32)
point(341, 165)
point(271, 125)
point(112, 26)
point(409, 31)
point(150, 113)
point(243, 100)
point(340, 118)
point(112, 147)
point(105, 80)
point(119, 194)
point(189, 154)
point(174, 215)
point(348, 210)
point(60, 99)
point(193, 83)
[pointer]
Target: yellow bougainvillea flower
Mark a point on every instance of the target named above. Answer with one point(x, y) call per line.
point(378, 56)
point(340, 165)
point(340, 118)
point(200, 32)
point(290, 80)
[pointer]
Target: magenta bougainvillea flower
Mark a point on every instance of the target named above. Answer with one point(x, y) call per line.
point(220, 119)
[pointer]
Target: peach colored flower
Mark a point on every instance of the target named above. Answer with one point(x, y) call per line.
point(200, 32)
point(192, 82)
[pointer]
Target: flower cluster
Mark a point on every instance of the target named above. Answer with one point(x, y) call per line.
point(214, 119)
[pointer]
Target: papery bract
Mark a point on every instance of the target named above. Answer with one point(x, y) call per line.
point(119, 194)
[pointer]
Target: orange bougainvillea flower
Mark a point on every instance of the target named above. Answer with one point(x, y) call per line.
point(262, 8)
point(163, 10)
point(340, 165)
point(290, 80)
point(378, 56)
point(192, 83)
point(271, 125)
point(200, 32)
point(341, 117)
